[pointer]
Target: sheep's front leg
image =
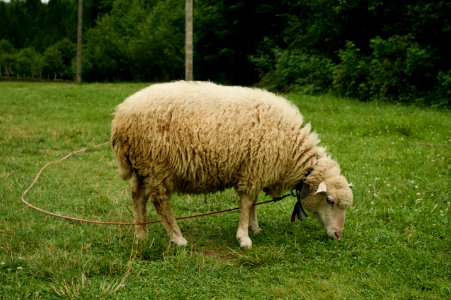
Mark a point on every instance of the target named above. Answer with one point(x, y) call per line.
point(242, 234)
point(162, 206)
point(139, 198)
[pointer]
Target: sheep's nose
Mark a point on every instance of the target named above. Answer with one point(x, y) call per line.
point(338, 234)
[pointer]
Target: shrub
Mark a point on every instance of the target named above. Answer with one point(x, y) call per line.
point(350, 77)
point(295, 70)
point(7, 59)
point(58, 60)
point(397, 70)
point(28, 63)
point(393, 67)
point(442, 95)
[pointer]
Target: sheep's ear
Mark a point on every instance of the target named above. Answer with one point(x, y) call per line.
point(322, 188)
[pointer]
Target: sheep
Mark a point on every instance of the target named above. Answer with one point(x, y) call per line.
point(200, 137)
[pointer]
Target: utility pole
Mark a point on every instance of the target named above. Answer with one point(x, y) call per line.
point(189, 40)
point(79, 40)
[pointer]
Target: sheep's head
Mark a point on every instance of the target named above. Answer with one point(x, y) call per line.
point(328, 199)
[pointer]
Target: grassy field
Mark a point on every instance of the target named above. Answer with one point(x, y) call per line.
point(397, 236)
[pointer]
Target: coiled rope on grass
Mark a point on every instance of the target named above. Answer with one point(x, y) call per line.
point(82, 220)
point(36, 179)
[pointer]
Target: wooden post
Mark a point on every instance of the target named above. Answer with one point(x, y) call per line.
point(79, 39)
point(189, 40)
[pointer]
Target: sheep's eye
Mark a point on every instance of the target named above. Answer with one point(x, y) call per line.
point(330, 201)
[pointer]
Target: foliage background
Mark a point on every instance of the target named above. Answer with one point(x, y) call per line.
point(366, 49)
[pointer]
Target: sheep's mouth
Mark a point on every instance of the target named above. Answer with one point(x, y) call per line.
point(333, 235)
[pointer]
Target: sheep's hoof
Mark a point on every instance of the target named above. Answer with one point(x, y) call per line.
point(141, 235)
point(180, 241)
point(245, 242)
point(256, 230)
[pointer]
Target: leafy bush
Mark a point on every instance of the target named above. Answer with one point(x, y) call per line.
point(157, 52)
point(58, 60)
point(7, 53)
point(397, 70)
point(442, 95)
point(351, 75)
point(137, 41)
point(393, 67)
point(28, 63)
point(296, 70)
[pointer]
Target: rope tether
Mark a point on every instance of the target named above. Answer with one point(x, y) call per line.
point(38, 175)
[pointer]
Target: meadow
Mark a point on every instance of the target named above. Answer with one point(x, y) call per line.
point(396, 243)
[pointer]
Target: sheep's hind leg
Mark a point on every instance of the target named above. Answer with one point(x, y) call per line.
point(253, 222)
point(139, 204)
point(242, 234)
point(162, 206)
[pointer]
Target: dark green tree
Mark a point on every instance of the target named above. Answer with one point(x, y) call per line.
point(28, 63)
point(7, 58)
point(151, 49)
point(57, 60)
point(370, 49)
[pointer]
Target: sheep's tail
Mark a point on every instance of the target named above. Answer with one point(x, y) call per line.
point(123, 162)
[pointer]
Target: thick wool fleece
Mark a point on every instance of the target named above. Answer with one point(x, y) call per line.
point(198, 137)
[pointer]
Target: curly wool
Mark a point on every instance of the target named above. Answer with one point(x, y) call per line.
point(199, 137)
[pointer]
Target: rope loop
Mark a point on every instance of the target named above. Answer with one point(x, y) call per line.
point(81, 220)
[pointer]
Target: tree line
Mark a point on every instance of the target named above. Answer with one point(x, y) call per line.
point(366, 49)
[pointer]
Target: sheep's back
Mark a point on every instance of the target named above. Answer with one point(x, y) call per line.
point(206, 136)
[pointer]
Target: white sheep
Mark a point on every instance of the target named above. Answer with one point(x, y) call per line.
point(200, 137)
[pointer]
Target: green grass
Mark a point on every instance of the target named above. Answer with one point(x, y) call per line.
point(397, 235)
